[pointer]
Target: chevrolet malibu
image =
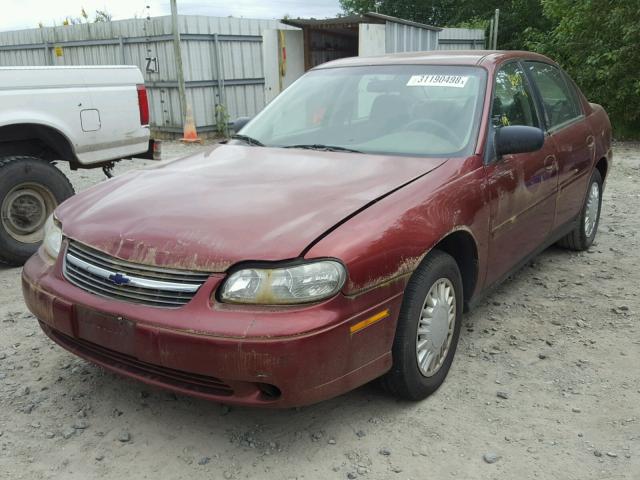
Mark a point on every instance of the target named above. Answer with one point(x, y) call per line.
point(336, 239)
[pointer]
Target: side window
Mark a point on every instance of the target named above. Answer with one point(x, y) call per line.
point(560, 101)
point(512, 100)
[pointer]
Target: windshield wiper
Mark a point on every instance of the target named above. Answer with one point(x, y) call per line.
point(326, 148)
point(248, 139)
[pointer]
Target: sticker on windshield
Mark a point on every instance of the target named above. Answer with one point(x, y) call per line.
point(456, 81)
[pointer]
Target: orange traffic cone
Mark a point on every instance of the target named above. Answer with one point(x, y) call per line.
point(189, 134)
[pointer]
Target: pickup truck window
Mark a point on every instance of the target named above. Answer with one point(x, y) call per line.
point(513, 102)
point(560, 103)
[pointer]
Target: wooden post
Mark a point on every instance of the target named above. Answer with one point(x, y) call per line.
point(219, 70)
point(495, 29)
point(177, 50)
point(490, 39)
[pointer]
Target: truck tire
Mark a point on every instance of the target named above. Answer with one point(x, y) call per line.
point(30, 189)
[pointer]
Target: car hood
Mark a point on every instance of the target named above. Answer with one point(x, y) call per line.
point(231, 203)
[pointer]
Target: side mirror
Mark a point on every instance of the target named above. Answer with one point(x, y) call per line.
point(518, 139)
point(238, 123)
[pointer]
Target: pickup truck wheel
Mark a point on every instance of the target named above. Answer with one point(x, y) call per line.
point(585, 232)
point(428, 328)
point(30, 190)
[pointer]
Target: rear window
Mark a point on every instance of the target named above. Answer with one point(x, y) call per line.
point(560, 101)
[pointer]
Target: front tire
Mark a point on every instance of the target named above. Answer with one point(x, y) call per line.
point(582, 237)
point(428, 328)
point(30, 189)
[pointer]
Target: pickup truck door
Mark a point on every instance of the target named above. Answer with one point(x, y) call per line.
point(565, 124)
point(522, 188)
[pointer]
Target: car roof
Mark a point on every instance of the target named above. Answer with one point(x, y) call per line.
point(485, 58)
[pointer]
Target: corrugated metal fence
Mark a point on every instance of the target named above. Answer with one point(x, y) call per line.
point(222, 59)
point(461, 39)
point(400, 37)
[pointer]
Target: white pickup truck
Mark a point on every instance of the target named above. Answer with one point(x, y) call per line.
point(87, 116)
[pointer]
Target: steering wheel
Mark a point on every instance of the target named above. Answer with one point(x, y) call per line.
point(448, 133)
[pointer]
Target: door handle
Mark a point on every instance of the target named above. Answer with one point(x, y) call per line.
point(590, 141)
point(550, 163)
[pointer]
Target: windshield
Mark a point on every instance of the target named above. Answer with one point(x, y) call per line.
point(390, 109)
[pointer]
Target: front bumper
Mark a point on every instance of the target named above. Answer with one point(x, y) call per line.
point(228, 354)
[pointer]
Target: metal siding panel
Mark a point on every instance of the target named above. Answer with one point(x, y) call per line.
point(401, 38)
point(395, 38)
point(164, 106)
point(196, 57)
point(408, 38)
point(196, 98)
point(461, 39)
point(387, 38)
point(175, 113)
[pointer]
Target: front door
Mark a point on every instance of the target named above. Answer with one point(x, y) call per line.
point(522, 188)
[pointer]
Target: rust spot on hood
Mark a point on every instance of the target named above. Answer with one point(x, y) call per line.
point(171, 256)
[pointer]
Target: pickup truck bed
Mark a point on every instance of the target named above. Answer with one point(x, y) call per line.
point(87, 116)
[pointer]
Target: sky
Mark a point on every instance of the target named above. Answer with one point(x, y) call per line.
point(19, 14)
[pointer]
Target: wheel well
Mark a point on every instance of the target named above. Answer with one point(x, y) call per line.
point(602, 167)
point(462, 247)
point(38, 140)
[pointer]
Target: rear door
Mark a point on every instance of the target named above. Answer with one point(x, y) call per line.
point(522, 187)
point(566, 126)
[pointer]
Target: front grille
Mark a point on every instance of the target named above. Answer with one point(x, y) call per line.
point(168, 376)
point(104, 275)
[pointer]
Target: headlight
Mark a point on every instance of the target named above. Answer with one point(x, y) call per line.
point(52, 237)
point(304, 283)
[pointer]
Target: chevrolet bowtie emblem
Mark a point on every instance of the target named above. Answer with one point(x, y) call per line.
point(119, 279)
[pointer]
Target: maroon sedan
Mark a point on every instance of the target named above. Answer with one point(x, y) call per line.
point(336, 239)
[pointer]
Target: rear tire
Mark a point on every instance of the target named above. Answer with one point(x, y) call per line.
point(581, 238)
point(30, 189)
point(428, 329)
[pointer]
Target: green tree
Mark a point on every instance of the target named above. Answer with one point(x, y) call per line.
point(598, 42)
point(518, 18)
point(432, 12)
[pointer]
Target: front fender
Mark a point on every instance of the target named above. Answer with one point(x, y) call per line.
point(386, 242)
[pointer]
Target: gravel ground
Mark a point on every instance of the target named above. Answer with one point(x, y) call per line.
point(545, 385)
